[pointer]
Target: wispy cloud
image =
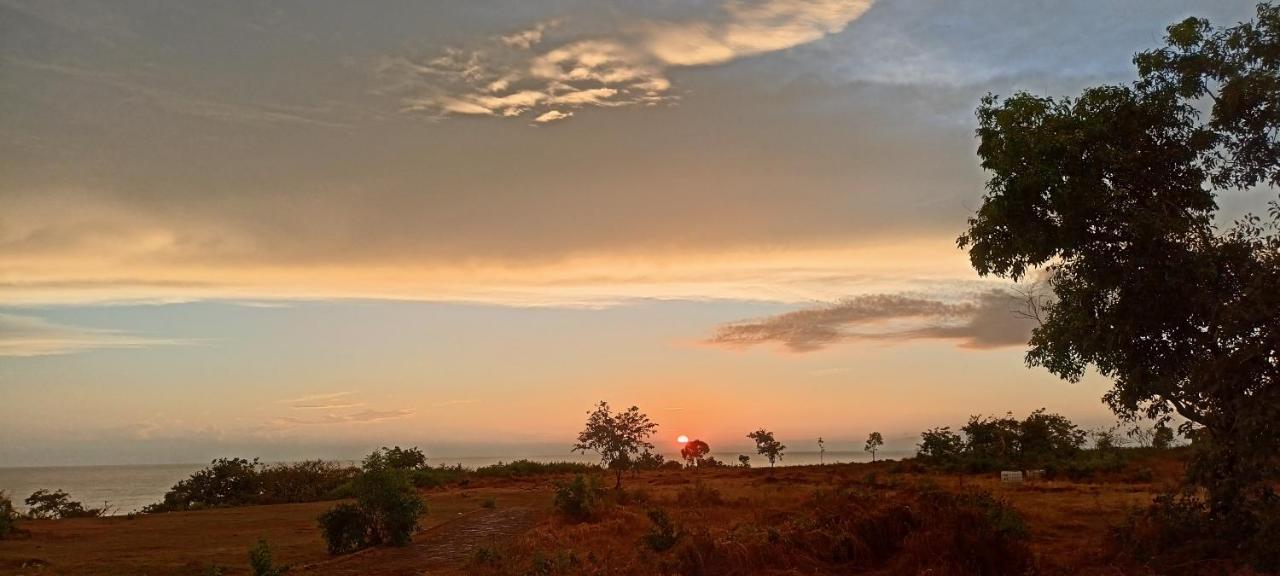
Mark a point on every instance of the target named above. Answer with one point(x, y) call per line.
point(361, 417)
point(35, 336)
point(142, 89)
point(986, 320)
point(331, 400)
point(513, 74)
point(449, 403)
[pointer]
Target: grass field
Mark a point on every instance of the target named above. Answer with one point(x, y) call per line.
point(1067, 526)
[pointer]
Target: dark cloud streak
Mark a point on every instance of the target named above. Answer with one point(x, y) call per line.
point(986, 320)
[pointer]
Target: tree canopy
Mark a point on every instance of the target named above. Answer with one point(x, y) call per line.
point(767, 446)
point(1109, 198)
point(874, 442)
point(618, 438)
point(693, 451)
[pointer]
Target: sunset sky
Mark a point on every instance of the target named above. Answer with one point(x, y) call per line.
point(292, 229)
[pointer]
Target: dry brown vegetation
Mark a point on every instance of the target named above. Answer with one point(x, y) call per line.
point(882, 518)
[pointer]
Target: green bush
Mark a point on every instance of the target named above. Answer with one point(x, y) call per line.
point(524, 468)
point(428, 477)
point(8, 516)
point(386, 510)
point(306, 481)
point(390, 504)
point(260, 562)
point(698, 495)
point(663, 534)
point(242, 482)
point(1179, 534)
point(580, 499)
point(397, 458)
point(58, 504)
point(344, 528)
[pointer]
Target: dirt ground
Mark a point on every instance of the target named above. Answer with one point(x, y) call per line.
point(1067, 521)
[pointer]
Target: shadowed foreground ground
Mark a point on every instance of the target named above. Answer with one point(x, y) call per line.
point(1067, 521)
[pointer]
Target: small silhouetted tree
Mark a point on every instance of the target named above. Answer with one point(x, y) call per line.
point(618, 438)
point(766, 445)
point(693, 451)
point(822, 452)
point(874, 442)
point(744, 460)
point(1162, 437)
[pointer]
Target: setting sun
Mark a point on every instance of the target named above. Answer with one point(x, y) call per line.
point(682, 439)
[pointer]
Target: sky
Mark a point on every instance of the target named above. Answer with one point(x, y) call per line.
point(305, 229)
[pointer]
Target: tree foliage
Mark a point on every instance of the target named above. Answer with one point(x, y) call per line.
point(940, 445)
point(874, 442)
point(397, 458)
point(241, 482)
point(386, 510)
point(8, 516)
point(57, 504)
point(618, 438)
point(261, 562)
point(694, 451)
point(767, 446)
point(1110, 197)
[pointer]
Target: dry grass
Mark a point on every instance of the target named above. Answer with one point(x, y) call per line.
point(811, 520)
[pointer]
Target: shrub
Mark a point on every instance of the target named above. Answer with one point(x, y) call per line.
point(578, 500)
point(940, 445)
point(663, 534)
point(397, 458)
point(524, 468)
point(58, 504)
point(306, 481)
point(489, 503)
point(225, 482)
point(1179, 534)
point(241, 482)
point(390, 505)
point(386, 510)
point(700, 494)
point(8, 516)
point(260, 562)
point(648, 461)
point(486, 556)
point(671, 465)
point(344, 528)
point(428, 477)
point(632, 496)
point(969, 533)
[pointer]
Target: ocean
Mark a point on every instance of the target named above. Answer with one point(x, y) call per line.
point(127, 488)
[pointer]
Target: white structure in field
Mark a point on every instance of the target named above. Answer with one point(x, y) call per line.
point(1011, 476)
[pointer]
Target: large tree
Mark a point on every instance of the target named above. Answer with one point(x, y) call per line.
point(618, 438)
point(1109, 198)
